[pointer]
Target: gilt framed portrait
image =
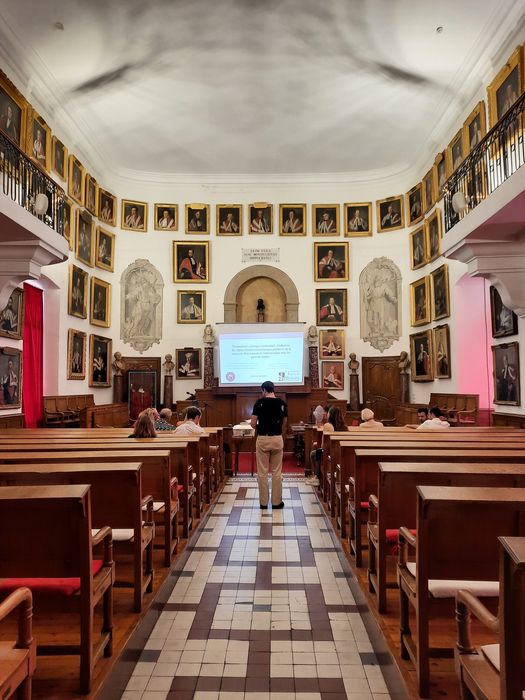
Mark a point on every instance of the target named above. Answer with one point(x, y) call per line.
point(440, 293)
point(331, 344)
point(134, 216)
point(421, 369)
point(59, 158)
point(441, 337)
point(166, 217)
point(38, 142)
point(440, 165)
point(67, 222)
point(105, 250)
point(506, 372)
point(333, 375)
point(99, 361)
point(91, 194)
point(414, 201)
point(197, 218)
point(188, 363)
point(455, 153)
point(107, 207)
point(325, 219)
point(419, 302)
point(429, 190)
point(76, 354)
point(331, 307)
point(503, 320)
point(475, 127)
point(433, 235)
point(85, 240)
point(292, 219)
point(191, 306)
point(75, 180)
point(13, 112)
point(100, 306)
point(506, 87)
point(418, 248)
point(331, 262)
point(11, 375)
point(229, 219)
point(12, 316)
point(261, 217)
point(358, 219)
point(390, 214)
point(78, 292)
point(191, 261)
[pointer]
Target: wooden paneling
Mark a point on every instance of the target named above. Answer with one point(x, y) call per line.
point(381, 385)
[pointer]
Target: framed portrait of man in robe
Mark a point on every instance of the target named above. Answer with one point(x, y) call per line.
point(333, 375)
point(475, 127)
point(191, 261)
point(10, 378)
point(292, 219)
point(91, 194)
point(506, 87)
point(331, 262)
point(38, 141)
point(390, 214)
point(441, 337)
point(13, 112)
point(191, 306)
point(420, 302)
point(261, 217)
point(105, 250)
point(78, 292)
point(418, 248)
point(59, 158)
point(429, 190)
point(440, 293)
point(76, 354)
point(85, 239)
point(414, 204)
point(166, 217)
point(421, 368)
point(504, 320)
point(506, 372)
point(331, 344)
point(331, 307)
point(75, 180)
point(134, 216)
point(197, 218)
point(455, 152)
point(358, 219)
point(229, 219)
point(107, 207)
point(99, 361)
point(433, 235)
point(188, 363)
point(325, 219)
point(100, 306)
point(12, 316)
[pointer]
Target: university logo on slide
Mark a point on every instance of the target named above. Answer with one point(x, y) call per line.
point(230, 376)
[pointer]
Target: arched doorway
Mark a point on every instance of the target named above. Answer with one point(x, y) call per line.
point(279, 293)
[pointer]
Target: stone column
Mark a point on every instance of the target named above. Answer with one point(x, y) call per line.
point(313, 357)
point(209, 342)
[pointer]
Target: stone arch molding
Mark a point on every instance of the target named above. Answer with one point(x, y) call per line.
point(273, 273)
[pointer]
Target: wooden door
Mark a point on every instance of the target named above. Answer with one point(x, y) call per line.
point(381, 385)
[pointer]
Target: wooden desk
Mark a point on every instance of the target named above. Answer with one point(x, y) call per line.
point(238, 441)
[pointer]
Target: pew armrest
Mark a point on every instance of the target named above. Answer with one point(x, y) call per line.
point(147, 505)
point(373, 507)
point(104, 536)
point(467, 604)
point(406, 540)
point(22, 598)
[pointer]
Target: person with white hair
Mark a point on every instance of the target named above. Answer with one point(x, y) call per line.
point(163, 420)
point(367, 416)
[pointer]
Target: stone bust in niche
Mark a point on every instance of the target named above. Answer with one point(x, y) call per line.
point(260, 310)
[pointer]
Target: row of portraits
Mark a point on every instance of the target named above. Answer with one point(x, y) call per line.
point(99, 297)
point(430, 297)
point(99, 368)
point(93, 247)
point(430, 353)
point(425, 241)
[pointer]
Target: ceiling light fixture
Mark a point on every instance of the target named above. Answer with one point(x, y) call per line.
point(439, 29)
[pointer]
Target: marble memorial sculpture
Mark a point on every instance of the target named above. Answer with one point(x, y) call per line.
point(141, 288)
point(380, 303)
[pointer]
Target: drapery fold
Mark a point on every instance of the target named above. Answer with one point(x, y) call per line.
point(33, 360)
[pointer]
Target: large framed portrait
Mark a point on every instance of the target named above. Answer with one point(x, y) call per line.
point(455, 153)
point(261, 217)
point(75, 180)
point(190, 261)
point(331, 344)
point(229, 219)
point(99, 359)
point(440, 293)
point(390, 214)
point(197, 218)
point(429, 190)
point(414, 201)
point(433, 235)
point(67, 221)
point(440, 165)
point(76, 354)
point(292, 219)
point(358, 219)
point(421, 353)
point(331, 262)
point(506, 87)
point(134, 216)
point(441, 336)
point(91, 194)
point(38, 142)
point(506, 372)
point(85, 239)
point(12, 316)
point(142, 391)
point(105, 250)
point(331, 307)
point(10, 378)
point(166, 217)
point(333, 375)
point(188, 363)
point(59, 158)
point(419, 302)
point(475, 127)
point(13, 112)
point(78, 292)
point(100, 306)
point(418, 248)
point(504, 320)
point(107, 207)
point(191, 306)
point(325, 219)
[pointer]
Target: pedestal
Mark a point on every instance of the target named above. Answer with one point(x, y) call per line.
point(168, 391)
point(354, 392)
point(118, 382)
point(404, 398)
point(208, 368)
point(313, 357)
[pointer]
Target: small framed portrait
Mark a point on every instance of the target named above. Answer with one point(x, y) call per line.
point(78, 292)
point(13, 112)
point(441, 337)
point(390, 214)
point(421, 353)
point(418, 248)
point(166, 217)
point(134, 216)
point(331, 344)
point(142, 391)
point(506, 87)
point(99, 359)
point(85, 240)
point(440, 165)
point(75, 180)
point(12, 317)
point(331, 262)
point(440, 293)
point(107, 207)
point(292, 219)
point(433, 235)
point(333, 375)
point(38, 142)
point(358, 219)
point(190, 261)
point(331, 307)
point(11, 375)
point(229, 219)
point(59, 158)
point(419, 302)
point(261, 217)
point(506, 372)
point(188, 362)
point(475, 127)
point(414, 200)
point(197, 218)
point(76, 354)
point(325, 219)
point(67, 227)
point(91, 194)
point(105, 250)
point(504, 320)
point(100, 307)
point(191, 306)
point(429, 191)
point(455, 153)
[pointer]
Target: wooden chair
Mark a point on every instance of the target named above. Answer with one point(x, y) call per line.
point(17, 657)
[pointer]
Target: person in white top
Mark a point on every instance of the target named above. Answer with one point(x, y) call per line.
point(191, 424)
point(436, 421)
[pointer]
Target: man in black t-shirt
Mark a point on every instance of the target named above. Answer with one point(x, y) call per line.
point(269, 417)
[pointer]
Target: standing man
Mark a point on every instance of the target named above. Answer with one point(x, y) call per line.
point(269, 417)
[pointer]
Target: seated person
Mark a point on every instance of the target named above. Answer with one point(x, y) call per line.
point(163, 420)
point(422, 415)
point(436, 420)
point(144, 426)
point(367, 416)
point(335, 421)
point(191, 425)
point(320, 415)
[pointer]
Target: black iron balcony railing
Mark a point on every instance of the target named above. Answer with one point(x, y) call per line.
point(494, 160)
point(23, 181)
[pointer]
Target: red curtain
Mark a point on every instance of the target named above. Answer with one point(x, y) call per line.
point(33, 361)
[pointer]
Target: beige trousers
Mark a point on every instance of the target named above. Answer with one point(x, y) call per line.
point(269, 453)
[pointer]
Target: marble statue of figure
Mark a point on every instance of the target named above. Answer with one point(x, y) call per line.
point(312, 335)
point(117, 364)
point(209, 335)
point(353, 363)
point(168, 364)
point(141, 305)
point(380, 303)
point(404, 362)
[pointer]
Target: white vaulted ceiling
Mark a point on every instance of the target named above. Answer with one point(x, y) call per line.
point(256, 86)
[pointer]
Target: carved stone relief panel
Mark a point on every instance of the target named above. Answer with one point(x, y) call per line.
point(380, 303)
point(141, 289)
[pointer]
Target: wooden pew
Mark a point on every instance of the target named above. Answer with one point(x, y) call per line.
point(495, 671)
point(49, 536)
point(456, 546)
point(18, 657)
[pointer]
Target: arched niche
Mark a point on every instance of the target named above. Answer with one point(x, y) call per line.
point(243, 286)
